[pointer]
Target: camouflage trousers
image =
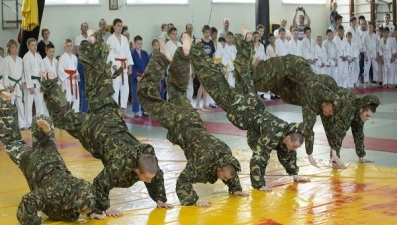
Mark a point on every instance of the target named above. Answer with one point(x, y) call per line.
point(10, 135)
point(178, 79)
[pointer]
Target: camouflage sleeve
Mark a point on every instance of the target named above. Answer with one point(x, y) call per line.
point(288, 160)
point(60, 111)
point(9, 128)
point(102, 185)
point(309, 119)
point(156, 187)
point(32, 203)
point(184, 187)
point(358, 136)
point(234, 184)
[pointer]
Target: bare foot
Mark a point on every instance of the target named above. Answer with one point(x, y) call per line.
point(43, 124)
point(245, 29)
point(362, 160)
point(163, 49)
point(197, 107)
point(187, 43)
point(206, 107)
point(90, 35)
point(4, 95)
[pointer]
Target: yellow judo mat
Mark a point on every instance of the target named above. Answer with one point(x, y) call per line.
point(360, 194)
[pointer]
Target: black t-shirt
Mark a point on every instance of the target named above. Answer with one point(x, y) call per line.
point(209, 48)
point(41, 48)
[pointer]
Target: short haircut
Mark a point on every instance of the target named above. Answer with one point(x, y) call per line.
point(188, 25)
point(328, 31)
point(137, 38)
point(171, 24)
point(30, 40)
point(255, 32)
point(340, 27)
point(221, 39)
point(387, 14)
point(172, 29)
point(338, 17)
point(9, 44)
point(83, 24)
point(306, 29)
point(295, 29)
point(270, 35)
point(361, 17)
point(386, 29)
point(229, 33)
point(205, 28)
point(319, 36)
point(99, 23)
point(370, 23)
point(260, 26)
point(349, 34)
point(163, 25)
point(295, 136)
point(155, 41)
point(353, 18)
point(68, 40)
point(147, 164)
point(49, 46)
point(44, 30)
point(281, 29)
point(116, 21)
point(230, 169)
point(213, 30)
point(371, 107)
point(381, 27)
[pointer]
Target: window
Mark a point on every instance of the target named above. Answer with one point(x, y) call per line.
point(233, 1)
point(304, 2)
point(71, 2)
point(159, 2)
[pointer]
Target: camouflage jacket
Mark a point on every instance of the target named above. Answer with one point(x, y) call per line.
point(204, 153)
point(54, 191)
point(107, 138)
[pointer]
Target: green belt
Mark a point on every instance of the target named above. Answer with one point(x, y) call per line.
point(18, 82)
point(1, 77)
point(36, 78)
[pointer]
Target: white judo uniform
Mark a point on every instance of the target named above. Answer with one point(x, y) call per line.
point(120, 55)
point(229, 55)
point(32, 66)
point(342, 69)
point(387, 49)
point(332, 58)
point(295, 47)
point(14, 77)
point(308, 50)
point(371, 50)
point(69, 79)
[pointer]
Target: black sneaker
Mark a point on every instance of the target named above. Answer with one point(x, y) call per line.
point(262, 96)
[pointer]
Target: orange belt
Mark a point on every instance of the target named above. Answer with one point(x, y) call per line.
point(71, 73)
point(124, 64)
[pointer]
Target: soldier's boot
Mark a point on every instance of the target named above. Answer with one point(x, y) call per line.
point(242, 65)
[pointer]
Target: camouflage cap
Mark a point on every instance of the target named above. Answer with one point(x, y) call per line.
point(38, 134)
point(294, 128)
point(81, 195)
point(368, 100)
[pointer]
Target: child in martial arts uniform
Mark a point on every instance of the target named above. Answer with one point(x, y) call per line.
point(351, 54)
point(229, 54)
point(69, 76)
point(282, 45)
point(371, 54)
point(33, 68)
point(295, 45)
point(319, 54)
point(387, 50)
point(50, 64)
point(309, 48)
point(15, 81)
point(331, 55)
point(342, 69)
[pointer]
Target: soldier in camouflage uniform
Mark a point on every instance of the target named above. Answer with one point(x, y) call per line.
point(245, 110)
point(292, 79)
point(103, 131)
point(54, 190)
point(208, 158)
